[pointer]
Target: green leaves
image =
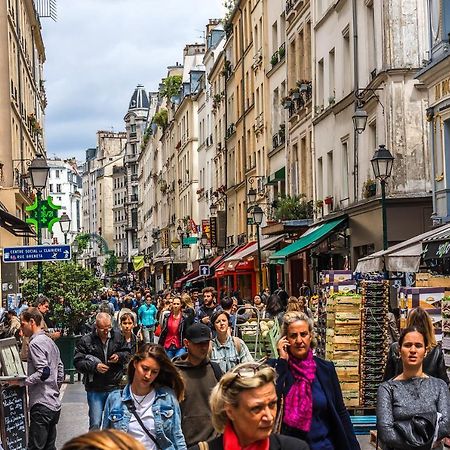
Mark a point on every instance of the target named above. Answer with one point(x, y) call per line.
point(293, 208)
point(75, 284)
point(171, 86)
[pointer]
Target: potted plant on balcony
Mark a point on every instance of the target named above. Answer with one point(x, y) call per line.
point(293, 208)
point(274, 60)
point(369, 188)
point(282, 52)
point(286, 102)
point(294, 93)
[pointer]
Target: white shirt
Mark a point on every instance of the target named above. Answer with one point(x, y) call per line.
point(145, 412)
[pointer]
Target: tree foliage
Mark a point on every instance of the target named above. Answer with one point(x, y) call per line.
point(161, 118)
point(70, 281)
point(83, 241)
point(171, 86)
point(293, 208)
point(111, 263)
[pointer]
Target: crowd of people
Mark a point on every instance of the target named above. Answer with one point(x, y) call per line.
point(171, 372)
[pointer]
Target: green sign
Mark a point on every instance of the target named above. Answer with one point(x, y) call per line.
point(191, 240)
point(250, 221)
point(48, 213)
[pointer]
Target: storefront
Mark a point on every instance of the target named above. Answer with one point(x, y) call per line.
point(296, 257)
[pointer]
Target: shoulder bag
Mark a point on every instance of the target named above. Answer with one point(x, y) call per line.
point(132, 408)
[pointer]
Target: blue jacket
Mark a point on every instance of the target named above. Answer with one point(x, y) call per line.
point(340, 424)
point(166, 412)
point(147, 315)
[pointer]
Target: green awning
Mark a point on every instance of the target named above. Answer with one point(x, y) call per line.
point(279, 175)
point(312, 237)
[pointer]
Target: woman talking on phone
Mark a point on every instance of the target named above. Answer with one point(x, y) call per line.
point(312, 406)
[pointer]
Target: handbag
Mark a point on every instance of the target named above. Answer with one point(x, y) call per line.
point(157, 332)
point(418, 432)
point(132, 408)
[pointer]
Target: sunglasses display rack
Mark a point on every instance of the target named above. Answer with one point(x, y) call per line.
point(343, 334)
point(446, 331)
point(374, 344)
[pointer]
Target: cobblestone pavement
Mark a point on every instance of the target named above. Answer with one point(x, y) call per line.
point(74, 416)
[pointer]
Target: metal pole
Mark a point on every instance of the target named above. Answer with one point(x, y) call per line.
point(383, 212)
point(259, 260)
point(39, 238)
point(65, 238)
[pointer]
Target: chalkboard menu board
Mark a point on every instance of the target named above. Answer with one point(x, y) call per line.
point(14, 418)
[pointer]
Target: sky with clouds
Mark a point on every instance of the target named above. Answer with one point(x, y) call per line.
point(99, 50)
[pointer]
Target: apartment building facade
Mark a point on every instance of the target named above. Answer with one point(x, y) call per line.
point(65, 187)
point(366, 55)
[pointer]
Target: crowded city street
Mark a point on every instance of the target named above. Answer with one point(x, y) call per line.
point(224, 224)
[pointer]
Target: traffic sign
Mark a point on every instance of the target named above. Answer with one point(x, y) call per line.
point(204, 270)
point(37, 253)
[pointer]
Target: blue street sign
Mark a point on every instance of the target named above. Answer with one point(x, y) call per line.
point(204, 270)
point(37, 253)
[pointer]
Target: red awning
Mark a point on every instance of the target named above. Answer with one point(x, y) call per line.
point(184, 279)
point(234, 264)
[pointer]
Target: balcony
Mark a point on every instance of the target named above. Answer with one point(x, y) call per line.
point(259, 123)
point(278, 139)
point(230, 131)
point(134, 177)
point(257, 59)
point(291, 7)
point(133, 198)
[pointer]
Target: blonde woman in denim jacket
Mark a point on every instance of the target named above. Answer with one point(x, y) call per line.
point(148, 408)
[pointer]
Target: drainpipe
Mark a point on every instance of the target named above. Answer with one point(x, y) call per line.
point(356, 86)
point(225, 149)
point(433, 167)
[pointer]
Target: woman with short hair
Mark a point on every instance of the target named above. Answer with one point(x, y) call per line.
point(313, 407)
point(413, 408)
point(243, 408)
point(148, 408)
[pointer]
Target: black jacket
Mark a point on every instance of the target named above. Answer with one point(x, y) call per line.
point(339, 423)
point(433, 364)
point(277, 442)
point(187, 319)
point(89, 352)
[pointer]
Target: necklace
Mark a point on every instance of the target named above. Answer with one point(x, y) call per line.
point(139, 402)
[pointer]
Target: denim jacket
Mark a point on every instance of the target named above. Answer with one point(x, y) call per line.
point(166, 412)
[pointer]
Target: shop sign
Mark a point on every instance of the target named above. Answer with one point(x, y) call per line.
point(213, 231)
point(435, 250)
point(206, 228)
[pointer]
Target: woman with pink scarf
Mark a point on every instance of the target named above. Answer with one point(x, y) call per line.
point(313, 407)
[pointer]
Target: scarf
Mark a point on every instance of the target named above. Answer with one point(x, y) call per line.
point(231, 441)
point(298, 404)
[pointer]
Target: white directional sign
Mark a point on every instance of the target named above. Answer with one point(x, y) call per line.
point(204, 270)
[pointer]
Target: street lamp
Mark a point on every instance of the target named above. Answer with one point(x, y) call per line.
point(64, 223)
point(382, 162)
point(172, 258)
point(75, 249)
point(258, 215)
point(204, 243)
point(251, 195)
point(359, 120)
point(39, 173)
point(213, 209)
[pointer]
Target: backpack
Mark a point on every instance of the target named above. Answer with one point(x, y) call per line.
point(217, 370)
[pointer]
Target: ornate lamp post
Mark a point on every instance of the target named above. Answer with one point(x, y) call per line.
point(204, 243)
point(382, 162)
point(64, 223)
point(39, 173)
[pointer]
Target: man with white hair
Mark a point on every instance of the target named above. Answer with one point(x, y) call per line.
point(101, 357)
